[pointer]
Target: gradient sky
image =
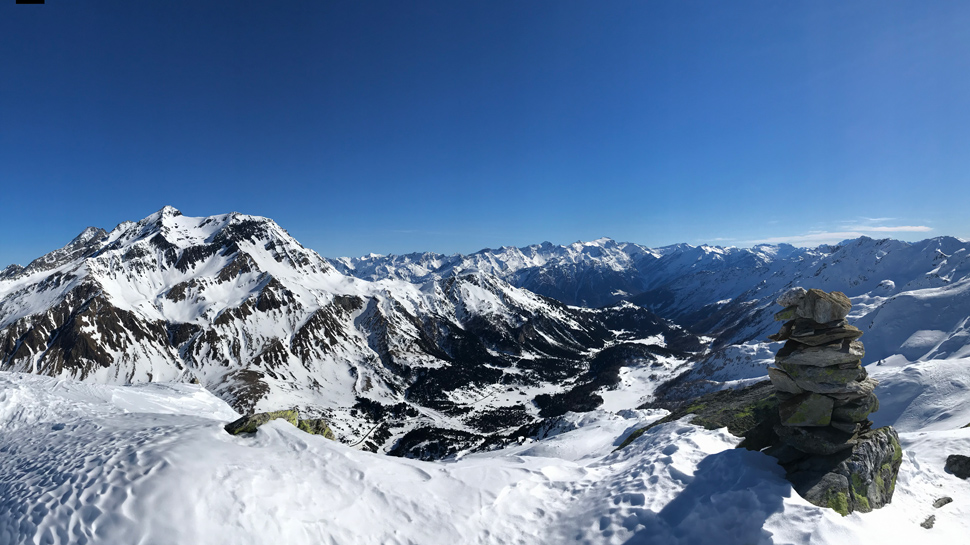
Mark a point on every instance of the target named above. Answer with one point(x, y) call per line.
point(393, 127)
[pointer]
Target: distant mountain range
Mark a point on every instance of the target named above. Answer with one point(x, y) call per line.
point(728, 293)
point(425, 354)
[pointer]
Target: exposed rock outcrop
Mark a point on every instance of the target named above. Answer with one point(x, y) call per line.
point(249, 423)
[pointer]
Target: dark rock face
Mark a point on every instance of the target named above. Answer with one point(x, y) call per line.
point(958, 465)
point(860, 479)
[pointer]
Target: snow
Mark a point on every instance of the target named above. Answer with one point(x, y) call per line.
point(87, 463)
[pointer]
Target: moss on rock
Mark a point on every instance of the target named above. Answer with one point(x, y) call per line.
point(249, 424)
point(316, 426)
point(838, 502)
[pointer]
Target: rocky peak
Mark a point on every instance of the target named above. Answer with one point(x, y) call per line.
point(83, 245)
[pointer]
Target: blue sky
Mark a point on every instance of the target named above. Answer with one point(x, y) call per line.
point(393, 127)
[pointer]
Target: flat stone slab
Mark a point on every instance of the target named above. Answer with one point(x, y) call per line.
point(835, 375)
point(834, 353)
point(819, 337)
point(841, 392)
point(857, 411)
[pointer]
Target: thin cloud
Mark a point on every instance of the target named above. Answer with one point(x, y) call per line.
point(901, 229)
point(832, 237)
point(811, 238)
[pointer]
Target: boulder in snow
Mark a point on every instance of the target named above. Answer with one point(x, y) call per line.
point(958, 465)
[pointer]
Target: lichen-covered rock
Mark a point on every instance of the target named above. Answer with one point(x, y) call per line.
point(856, 411)
point(958, 465)
point(782, 381)
point(316, 426)
point(861, 480)
point(248, 424)
point(807, 409)
point(823, 307)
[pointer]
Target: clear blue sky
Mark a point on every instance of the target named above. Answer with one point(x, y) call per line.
point(392, 127)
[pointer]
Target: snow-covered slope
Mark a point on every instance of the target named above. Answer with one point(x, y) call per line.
point(96, 464)
point(235, 303)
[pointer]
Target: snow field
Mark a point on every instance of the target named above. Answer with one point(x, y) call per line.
point(83, 463)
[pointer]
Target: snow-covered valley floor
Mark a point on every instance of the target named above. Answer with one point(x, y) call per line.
point(151, 464)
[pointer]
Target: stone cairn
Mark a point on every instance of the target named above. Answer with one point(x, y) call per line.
point(826, 393)
point(832, 455)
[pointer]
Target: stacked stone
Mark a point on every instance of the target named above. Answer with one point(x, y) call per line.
point(826, 394)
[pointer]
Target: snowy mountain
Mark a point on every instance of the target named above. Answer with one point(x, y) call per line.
point(590, 274)
point(235, 303)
